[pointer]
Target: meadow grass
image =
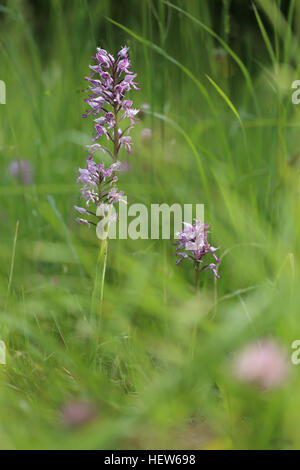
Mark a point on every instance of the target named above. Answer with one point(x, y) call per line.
point(226, 134)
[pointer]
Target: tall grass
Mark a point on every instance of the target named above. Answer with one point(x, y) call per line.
point(135, 366)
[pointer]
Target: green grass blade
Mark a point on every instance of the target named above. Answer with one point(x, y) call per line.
point(234, 56)
point(264, 35)
point(189, 142)
point(199, 85)
point(225, 98)
point(65, 231)
point(171, 59)
point(12, 260)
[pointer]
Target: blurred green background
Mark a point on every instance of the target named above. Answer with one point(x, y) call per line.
point(155, 372)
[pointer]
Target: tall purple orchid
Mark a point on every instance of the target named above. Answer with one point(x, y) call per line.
point(192, 244)
point(110, 81)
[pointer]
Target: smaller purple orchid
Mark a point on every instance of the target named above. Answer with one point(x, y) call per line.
point(192, 244)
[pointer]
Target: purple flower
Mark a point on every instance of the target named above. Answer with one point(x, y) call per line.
point(126, 142)
point(22, 171)
point(264, 365)
point(77, 413)
point(82, 221)
point(114, 196)
point(192, 244)
point(110, 81)
point(130, 114)
point(98, 188)
point(81, 210)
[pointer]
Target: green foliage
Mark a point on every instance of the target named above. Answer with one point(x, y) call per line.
point(156, 367)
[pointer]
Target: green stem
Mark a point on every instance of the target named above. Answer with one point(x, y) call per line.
point(98, 291)
point(195, 326)
point(197, 278)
